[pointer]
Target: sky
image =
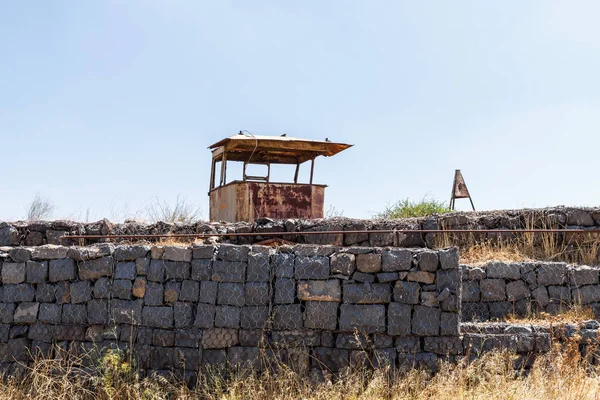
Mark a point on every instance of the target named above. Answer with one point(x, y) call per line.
point(108, 106)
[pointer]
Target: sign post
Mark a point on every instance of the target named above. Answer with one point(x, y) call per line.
point(459, 190)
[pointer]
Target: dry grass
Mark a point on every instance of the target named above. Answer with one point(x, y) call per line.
point(580, 248)
point(572, 313)
point(560, 374)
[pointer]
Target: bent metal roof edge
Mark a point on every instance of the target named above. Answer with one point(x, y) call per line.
point(278, 148)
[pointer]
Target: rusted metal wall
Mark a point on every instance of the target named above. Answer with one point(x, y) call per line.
point(246, 201)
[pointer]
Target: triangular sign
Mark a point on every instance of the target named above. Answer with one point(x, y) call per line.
point(460, 187)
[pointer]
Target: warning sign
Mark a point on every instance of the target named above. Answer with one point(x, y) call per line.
point(459, 190)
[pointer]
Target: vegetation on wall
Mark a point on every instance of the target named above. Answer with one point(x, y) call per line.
point(406, 209)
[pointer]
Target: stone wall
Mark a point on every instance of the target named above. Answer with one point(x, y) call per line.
point(48, 232)
point(496, 289)
point(183, 308)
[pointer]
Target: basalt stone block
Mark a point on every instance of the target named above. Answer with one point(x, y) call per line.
point(383, 358)
point(500, 309)
point(362, 277)
point(50, 313)
point(352, 342)
point(258, 267)
point(205, 316)
point(205, 251)
point(93, 269)
point(49, 252)
point(364, 318)
point(227, 317)
point(183, 314)
point(201, 270)
point(320, 315)
point(97, 311)
point(125, 270)
point(530, 279)
point(368, 263)
point(580, 218)
point(214, 358)
point(13, 273)
point(257, 293)
point(230, 252)
point(81, 292)
point(19, 254)
point(188, 338)
point(251, 337)
point(244, 358)
point(583, 275)
point(177, 270)
point(163, 338)
point(26, 313)
point(285, 291)
point(171, 293)
point(518, 290)
point(343, 263)
point(130, 253)
point(18, 293)
point(559, 294)
point(396, 260)
point(311, 268)
point(142, 265)
point(501, 270)
point(231, 294)
point(227, 271)
point(383, 341)
point(208, 292)
point(177, 253)
point(493, 289)
point(384, 277)
point(312, 250)
point(471, 291)
point(189, 290)
point(330, 359)
point(37, 271)
point(552, 274)
point(284, 265)
point(287, 317)
point(449, 258)
point(399, 319)
point(129, 311)
point(320, 290)
point(45, 293)
point(540, 295)
point(587, 294)
point(139, 288)
point(122, 289)
point(63, 292)
point(407, 292)
point(449, 324)
point(154, 294)
point(443, 345)
point(157, 317)
point(74, 314)
point(421, 276)
point(450, 279)
point(62, 270)
point(427, 261)
point(408, 344)
point(426, 321)
point(156, 271)
point(219, 338)
point(367, 293)
point(254, 317)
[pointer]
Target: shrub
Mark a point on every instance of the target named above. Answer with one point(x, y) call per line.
point(406, 209)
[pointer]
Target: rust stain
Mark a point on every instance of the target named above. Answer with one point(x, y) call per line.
point(247, 201)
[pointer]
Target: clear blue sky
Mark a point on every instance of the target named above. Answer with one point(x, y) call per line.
point(106, 105)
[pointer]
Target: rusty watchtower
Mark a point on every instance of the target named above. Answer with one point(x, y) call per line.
point(256, 196)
